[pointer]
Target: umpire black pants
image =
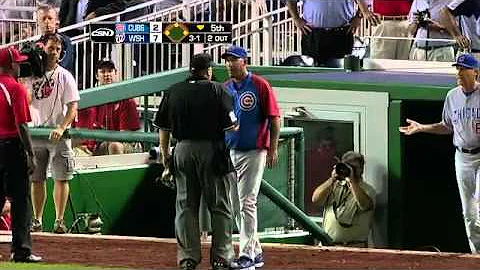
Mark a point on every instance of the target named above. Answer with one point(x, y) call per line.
point(15, 183)
point(325, 45)
point(195, 163)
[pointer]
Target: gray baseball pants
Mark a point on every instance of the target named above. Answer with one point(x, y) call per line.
point(249, 166)
point(467, 168)
point(194, 174)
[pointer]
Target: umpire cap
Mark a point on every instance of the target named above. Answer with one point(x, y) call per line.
point(201, 61)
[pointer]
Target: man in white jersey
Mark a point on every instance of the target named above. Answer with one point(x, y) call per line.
point(54, 104)
point(461, 116)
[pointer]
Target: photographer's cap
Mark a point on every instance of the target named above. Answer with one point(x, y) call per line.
point(235, 51)
point(11, 54)
point(467, 61)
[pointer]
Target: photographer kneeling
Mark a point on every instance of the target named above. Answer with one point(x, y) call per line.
point(348, 202)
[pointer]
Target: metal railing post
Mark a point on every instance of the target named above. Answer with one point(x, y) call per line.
point(267, 50)
point(125, 52)
point(300, 170)
point(291, 176)
point(255, 40)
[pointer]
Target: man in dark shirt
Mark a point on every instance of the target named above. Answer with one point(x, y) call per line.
point(197, 112)
point(16, 153)
point(47, 20)
point(73, 12)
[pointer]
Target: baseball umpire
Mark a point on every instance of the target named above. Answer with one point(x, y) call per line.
point(461, 116)
point(16, 153)
point(197, 112)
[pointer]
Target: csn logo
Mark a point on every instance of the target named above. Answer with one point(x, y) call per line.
point(103, 32)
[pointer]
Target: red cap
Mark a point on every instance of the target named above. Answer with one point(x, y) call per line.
point(8, 55)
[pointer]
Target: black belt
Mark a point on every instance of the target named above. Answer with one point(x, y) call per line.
point(394, 18)
point(434, 47)
point(469, 151)
point(333, 29)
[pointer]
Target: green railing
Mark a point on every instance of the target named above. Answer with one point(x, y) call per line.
point(292, 207)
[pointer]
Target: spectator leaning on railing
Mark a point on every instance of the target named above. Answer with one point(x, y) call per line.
point(119, 116)
point(465, 30)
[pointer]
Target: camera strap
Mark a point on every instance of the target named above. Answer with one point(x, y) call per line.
point(7, 95)
point(344, 205)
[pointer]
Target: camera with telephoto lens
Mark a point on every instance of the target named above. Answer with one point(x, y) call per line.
point(423, 18)
point(343, 170)
point(37, 60)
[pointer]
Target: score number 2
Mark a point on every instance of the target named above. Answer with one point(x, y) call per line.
point(155, 32)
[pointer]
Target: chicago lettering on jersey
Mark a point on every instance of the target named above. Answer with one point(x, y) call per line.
point(466, 113)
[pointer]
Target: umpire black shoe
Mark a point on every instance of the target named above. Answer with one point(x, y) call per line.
point(28, 259)
point(188, 264)
point(221, 264)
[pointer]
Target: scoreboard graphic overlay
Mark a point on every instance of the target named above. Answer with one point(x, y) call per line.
point(158, 32)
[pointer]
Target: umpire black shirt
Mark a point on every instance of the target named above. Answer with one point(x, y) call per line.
point(196, 109)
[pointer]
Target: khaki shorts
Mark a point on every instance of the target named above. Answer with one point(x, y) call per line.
point(58, 155)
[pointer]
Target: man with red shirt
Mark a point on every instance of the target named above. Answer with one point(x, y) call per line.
point(16, 153)
point(117, 116)
point(394, 15)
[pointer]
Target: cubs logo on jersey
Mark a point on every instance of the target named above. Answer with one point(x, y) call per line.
point(247, 101)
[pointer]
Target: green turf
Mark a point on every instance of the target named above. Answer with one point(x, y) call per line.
point(6, 265)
